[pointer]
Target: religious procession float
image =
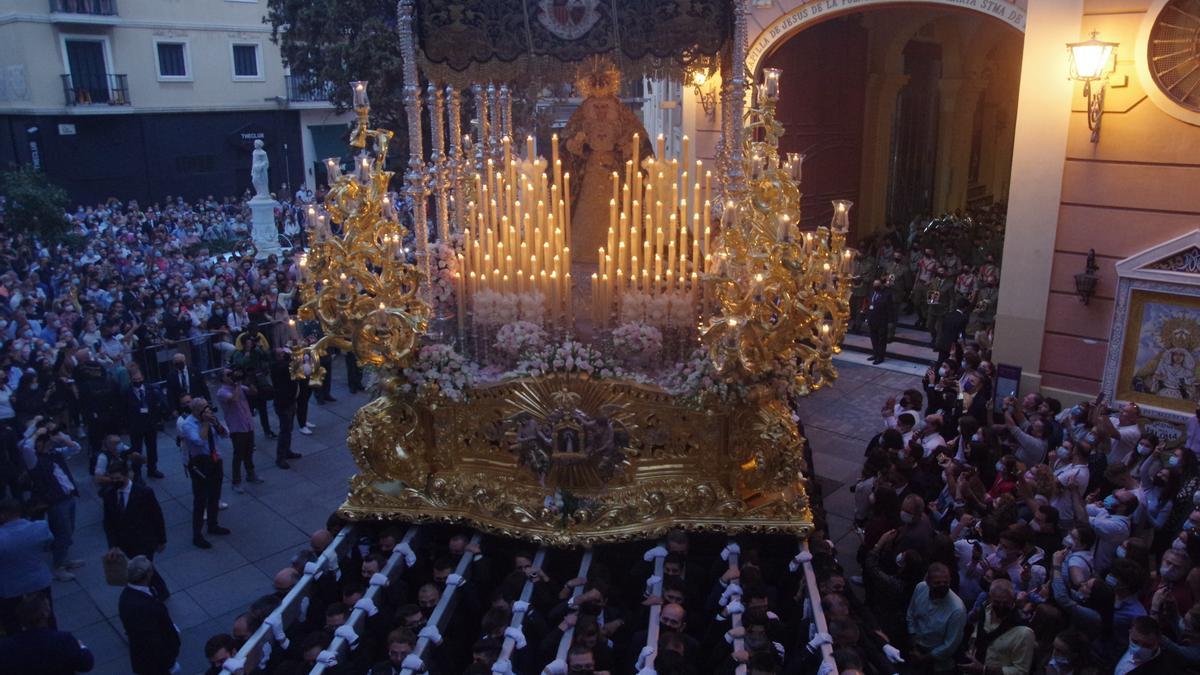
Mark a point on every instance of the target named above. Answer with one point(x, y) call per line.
point(588, 342)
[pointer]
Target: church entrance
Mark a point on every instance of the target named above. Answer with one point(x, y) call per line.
point(908, 111)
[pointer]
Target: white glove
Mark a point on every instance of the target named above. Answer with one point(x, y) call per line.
point(556, 667)
point(379, 579)
point(892, 654)
point(656, 552)
point(735, 607)
point(414, 663)
point(517, 635)
point(652, 581)
point(647, 671)
point(818, 640)
point(641, 659)
point(234, 663)
point(432, 634)
point(327, 657)
point(730, 549)
point(826, 668)
point(329, 563)
point(346, 632)
point(801, 558)
point(732, 591)
point(502, 667)
point(520, 607)
point(275, 621)
point(367, 605)
point(410, 556)
point(454, 580)
point(311, 568)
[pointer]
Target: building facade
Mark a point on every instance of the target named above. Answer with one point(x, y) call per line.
point(177, 91)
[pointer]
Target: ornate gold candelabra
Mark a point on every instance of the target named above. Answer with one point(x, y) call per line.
point(782, 297)
point(357, 281)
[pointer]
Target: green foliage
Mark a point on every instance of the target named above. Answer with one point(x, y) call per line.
point(34, 204)
point(339, 41)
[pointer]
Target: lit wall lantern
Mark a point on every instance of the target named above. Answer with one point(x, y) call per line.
point(1085, 281)
point(1093, 61)
point(704, 85)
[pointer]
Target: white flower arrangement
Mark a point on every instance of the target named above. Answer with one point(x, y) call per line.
point(568, 357)
point(664, 310)
point(440, 366)
point(493, 308)
point(444, 265)
point(695, 377)
point(520, 338)
point(638, 341)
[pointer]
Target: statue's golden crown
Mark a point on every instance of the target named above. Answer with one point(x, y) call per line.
point(597, 77)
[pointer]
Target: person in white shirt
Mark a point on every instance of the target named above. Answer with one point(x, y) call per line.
point(931, 437)
point(1072, 475)
point(1145, 648)
point(1112, 522)
point(1122, 430)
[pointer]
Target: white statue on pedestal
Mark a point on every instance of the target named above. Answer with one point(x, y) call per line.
point(263, 230)
point(259, 164)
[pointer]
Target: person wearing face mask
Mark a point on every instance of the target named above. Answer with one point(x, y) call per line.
point(1071, 475)
point(925, 269)
point(888, 592)
point(879, 310)
point(1070, 654)
point(998, 642)
point(1170, 594)
point(1123, 429)
point(1112, 521)
point(936, 617)
point(1144, 655)
point(861, 286)
point(953, 328)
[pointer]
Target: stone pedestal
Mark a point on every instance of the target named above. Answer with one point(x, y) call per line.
point(263, 232)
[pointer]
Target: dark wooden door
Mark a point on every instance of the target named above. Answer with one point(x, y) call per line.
point(822, 94)
point(89, 76)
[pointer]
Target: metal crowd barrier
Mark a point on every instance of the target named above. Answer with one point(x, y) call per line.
point(518, 617)
point(564, 643)
point(251, 654)
point(358, 618)
point(201, 351)
point(442, 611)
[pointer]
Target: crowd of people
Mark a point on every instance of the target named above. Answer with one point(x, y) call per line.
point(1016, 535)
point(130, 329)
point(606, 611)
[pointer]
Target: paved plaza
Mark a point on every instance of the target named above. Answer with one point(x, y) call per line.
point(272, 521)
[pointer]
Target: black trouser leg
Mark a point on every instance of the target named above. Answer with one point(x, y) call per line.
point(148, 438)
point(302, 399)
point(879, 342)
point(327, 383)
point(283, 445)
point(353, 373)
point(243, 454)
point(198, 472)
point(216, 475)
point(259, 403)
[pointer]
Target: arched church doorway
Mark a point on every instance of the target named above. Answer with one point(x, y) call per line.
point(907, 111)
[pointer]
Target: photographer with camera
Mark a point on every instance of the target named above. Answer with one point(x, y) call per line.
point(234, 399)
point(199, 431)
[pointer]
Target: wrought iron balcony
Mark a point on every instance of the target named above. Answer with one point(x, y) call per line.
point(306, 89)
point(97, 90)
point(86, 7)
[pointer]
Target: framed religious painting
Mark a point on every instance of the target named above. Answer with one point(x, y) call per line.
point(1160, 351)
point(1153, 354)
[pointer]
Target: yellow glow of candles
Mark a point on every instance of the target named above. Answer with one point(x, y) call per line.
point(530, 154)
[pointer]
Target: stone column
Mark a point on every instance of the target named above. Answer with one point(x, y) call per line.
point(1039, 154)
point(882, 90)
point(263, 231)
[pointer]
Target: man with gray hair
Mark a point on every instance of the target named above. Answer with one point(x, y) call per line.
point(153, 638)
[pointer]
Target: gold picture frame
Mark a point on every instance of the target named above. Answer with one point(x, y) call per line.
point(1160, 351)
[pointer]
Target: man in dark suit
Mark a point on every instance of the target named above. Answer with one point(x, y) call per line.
point(286, 390)
point(153, 640)
point(184, 379)
point(133, 520)
point(144, 410)
point(954, 327)
point(879, 311)
point(38, 648)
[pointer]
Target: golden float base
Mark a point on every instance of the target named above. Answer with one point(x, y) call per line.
point(565, 460)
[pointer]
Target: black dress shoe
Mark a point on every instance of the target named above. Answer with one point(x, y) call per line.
point(283, 464)
point(294, 455)
point(154, 473)
point(218, 530)
point(200, 542)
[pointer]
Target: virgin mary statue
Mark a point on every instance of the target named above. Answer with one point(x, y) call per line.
point(598, 137)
